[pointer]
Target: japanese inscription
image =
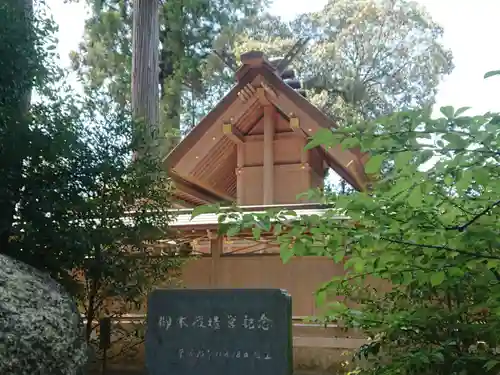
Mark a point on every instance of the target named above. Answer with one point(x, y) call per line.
point(243, 331)
point(229, 353)
point(263, 322)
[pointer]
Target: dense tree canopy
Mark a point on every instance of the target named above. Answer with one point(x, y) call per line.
point(365, 58)
point(348, 74)
point(187, 32)
point(428, 226)
point(72, 197)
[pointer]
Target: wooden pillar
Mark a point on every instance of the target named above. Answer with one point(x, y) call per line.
point(216, 248)
point(240, 163)
point(305, 165)
point(268, 168)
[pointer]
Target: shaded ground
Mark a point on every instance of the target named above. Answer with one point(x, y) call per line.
point(138, 372)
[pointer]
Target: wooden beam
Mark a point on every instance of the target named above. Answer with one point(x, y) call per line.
point(295, 123)
point(277, 137)
point(246, 93)
point(186, 160)
point(261, 95)
point(240, 163)
point(249, 89)
point(268, 168)
point(232, 133)
point(338, 158)
point(197, 192)
point(242, 97)
point(198, 189)
point(268, 90)
point(216, 250)
point(295, 126)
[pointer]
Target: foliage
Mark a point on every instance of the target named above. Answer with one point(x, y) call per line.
point(20, 69)
point(420, 249)
point(365, 58)
point(73, 202)
point(30, 137)
point(348, 76)
point(120, 224)
point(187, 32)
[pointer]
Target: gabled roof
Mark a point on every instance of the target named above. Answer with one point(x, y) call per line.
point(203, 164)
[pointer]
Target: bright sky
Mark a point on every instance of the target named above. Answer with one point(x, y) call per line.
point(471, 31)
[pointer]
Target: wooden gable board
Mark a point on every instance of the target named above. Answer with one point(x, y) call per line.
point(347, 163)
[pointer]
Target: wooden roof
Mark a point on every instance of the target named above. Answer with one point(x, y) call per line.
point(203, 164)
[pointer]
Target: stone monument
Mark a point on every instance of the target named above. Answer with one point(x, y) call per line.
point(212, 332)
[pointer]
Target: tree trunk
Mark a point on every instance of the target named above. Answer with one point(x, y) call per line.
point(145, 71)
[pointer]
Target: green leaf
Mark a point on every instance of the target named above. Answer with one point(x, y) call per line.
point(233, 230)
point(359, 265)
point(492, 73)
point(299, 248)
point(402, 159)
point(448, 112)
point(448, 180)
point(206, 209)
point(320, 297)
point(339, 256)
point(374, 164)
point(460, 111)
point(493, 264)
point(439, 357)
point(456, 140)
point(482, 176)
point(349, 143)
point(437, 278)
point(415, 197)
point(256, 233)
point(400, 186)
point(455, 271)
point(286, 252)
point(491, 363)
point(323, 137)
point(407, 278)
point(465, 180)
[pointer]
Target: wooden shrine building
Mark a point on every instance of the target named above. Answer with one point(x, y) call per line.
point(249, 150)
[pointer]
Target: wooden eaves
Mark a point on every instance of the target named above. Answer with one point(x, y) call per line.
point(267, 89)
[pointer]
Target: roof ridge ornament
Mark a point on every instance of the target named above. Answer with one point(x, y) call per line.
point(251, 60)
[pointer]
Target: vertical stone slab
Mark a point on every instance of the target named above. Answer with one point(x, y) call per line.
point(222, 331)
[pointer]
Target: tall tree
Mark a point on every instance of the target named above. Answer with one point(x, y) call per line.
point(365, 58)
point(145, 69)
point(187, 32)
point(122, 216)
point(19, 67)
point(66, 160)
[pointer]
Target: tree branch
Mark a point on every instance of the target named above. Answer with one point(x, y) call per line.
point(440, 247)
point(463, 227)
point(497, 274)
point(450, 201)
